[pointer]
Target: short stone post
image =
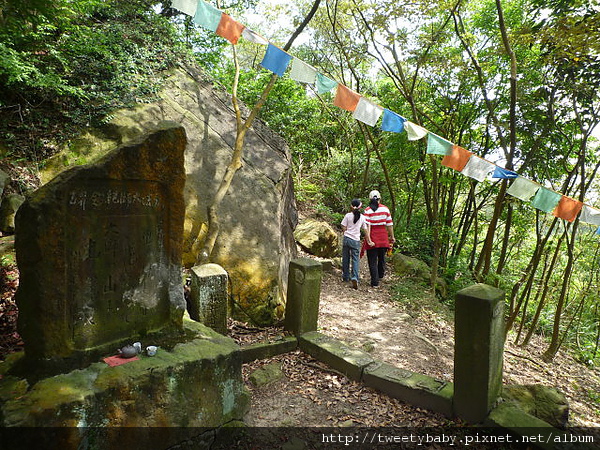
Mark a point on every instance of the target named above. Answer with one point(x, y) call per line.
point(209, 296)
point(304, 290)
point(478, 351)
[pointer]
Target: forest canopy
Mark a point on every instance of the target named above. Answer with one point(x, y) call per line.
point(514, 82)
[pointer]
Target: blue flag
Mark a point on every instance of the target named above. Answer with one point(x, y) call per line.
point(392, 121)
point(500, 172)
point(276, 60)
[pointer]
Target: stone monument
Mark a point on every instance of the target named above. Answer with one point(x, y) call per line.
point(99, 251)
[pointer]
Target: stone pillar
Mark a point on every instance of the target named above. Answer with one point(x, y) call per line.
point(209, 296)
point(304, 290)
point(478, 351)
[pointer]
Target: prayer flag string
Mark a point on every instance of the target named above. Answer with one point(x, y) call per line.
point(364, 110)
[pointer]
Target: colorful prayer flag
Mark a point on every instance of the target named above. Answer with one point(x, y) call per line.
point(392, 122)
point(590, 215)
point(367, 112)
point(186, 6)
point(325, 84)
point(346, 98)
point(500, 172)
point(567, 208)
point(229, 29)
point(457, 158)
point(523, 189)
point(251, 36)
point(414, 131)
point(207, 16)
point(276, 60)
point(437, 145)
point(302, 72)
point(477, 168)
point(545, 199)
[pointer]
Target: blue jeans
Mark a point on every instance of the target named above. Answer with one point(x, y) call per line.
point(350, 251)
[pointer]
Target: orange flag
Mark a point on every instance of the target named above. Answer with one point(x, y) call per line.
point(345, 98)
point(457, 159)
point(567, 208)
point(230, 29)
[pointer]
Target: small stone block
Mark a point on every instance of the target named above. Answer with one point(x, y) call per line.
point(416, 389)
point(268, 350)
point(478, 350)
point(209, 296)
point(304, 292)
point(349, 361)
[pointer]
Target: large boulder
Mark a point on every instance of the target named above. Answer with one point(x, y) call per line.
point(317, 238)
point(257, 216)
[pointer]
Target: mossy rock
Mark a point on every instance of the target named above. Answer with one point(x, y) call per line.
point(266, 375)
point(545, 403)
point(317, 238)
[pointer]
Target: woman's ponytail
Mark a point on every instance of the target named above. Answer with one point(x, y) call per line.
point(356, 204)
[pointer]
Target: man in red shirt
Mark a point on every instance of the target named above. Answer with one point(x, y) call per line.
point(381, 230)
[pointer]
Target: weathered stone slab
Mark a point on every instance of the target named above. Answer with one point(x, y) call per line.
point(209, 296)
point(304, 292)
point(478, 351)
point(99, 250)
point(268, 350)
point(196, 383)
point(337, 355)
point(414, 388)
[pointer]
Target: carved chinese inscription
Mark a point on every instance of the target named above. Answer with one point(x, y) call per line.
point(116, 260)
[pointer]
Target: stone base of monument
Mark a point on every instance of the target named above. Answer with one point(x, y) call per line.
point(188, 390)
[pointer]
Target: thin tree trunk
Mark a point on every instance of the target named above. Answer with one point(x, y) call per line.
point(242, 128)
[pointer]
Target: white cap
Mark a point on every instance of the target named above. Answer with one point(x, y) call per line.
point(375, 194)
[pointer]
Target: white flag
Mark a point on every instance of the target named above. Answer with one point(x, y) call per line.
point(414, 131)
point(367, 112)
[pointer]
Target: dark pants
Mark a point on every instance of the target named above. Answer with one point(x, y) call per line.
point(376, 259)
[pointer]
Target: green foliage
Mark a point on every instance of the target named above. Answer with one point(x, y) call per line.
point(74, 64)
point(417, 298)
point(415, 239)
point(8, 260)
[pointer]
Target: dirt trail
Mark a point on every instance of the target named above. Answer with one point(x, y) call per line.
point(413, 337)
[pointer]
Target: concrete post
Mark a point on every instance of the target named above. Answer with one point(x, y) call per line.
point(478, 351)
point(304, 290)
point(209, 296)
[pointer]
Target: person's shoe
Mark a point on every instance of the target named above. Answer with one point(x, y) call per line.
point(355, 284)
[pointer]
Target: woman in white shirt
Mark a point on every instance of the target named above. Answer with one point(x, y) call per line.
point(352, 223)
